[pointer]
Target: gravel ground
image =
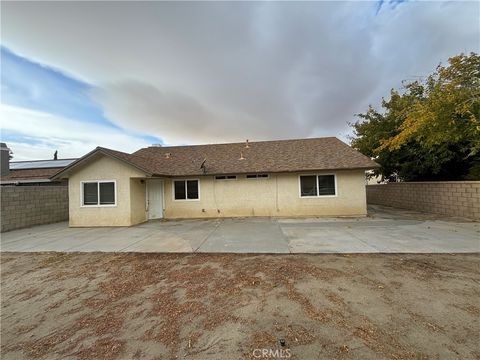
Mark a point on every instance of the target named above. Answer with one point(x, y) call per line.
point(197, 306)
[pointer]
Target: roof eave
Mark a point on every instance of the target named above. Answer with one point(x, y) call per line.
point(272, 172)
point(24, 181)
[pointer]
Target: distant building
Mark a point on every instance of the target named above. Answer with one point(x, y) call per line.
point(35, 172)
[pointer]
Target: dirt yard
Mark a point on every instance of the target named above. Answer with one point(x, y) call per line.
point(156, 306)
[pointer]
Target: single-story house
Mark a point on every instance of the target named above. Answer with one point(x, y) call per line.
point(305, 177)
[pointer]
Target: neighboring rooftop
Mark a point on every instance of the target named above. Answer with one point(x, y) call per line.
point(29, 175)
point(315, 154)
point(33, 170)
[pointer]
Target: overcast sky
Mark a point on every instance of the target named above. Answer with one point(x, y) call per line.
point(126, 74)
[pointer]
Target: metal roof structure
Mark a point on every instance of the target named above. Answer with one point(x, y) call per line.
point(40, 164)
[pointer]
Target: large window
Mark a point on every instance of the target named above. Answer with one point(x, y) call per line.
point(185, 190)
point(317, 185)
point(308, 185)
point(98, 193)
point(326, 185)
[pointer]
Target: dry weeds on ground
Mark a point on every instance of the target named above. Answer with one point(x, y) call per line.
point(146, 306)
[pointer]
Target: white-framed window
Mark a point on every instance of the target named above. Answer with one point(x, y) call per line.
point(257, 176)
point(226, 177)
point(97, 193)
point(188, 189)
point(318, 185)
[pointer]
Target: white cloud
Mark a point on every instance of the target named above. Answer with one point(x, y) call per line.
point(37, 133)
point(216, 71)
point(179, 118)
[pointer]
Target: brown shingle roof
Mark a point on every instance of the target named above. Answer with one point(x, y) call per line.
point(263, 156)
point(29, 174)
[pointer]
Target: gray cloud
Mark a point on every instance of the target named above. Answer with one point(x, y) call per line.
point(210, 72)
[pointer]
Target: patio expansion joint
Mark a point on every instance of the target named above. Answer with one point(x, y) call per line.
point(285, 236)
point(217, 225)
point(125, 249)
point(147, 237)
point(363, 241)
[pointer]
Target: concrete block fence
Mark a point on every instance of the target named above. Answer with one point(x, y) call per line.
point(452, 198)
point(24, 206)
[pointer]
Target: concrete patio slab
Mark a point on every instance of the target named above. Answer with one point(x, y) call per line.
point(16, 235)
point(386, 230)
point(115, 240)
point(313, 240)
point(62, 238)
point(246, 236)
point(427, 237)
point(162, 242)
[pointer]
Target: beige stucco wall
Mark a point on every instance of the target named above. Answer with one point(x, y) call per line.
point(138, 201)
point(276, 196)
point(130, 208)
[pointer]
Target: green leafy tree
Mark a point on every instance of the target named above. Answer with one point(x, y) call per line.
point(430, 131)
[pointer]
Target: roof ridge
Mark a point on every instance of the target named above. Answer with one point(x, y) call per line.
point(108, 149)
point(237, 143)
point(134, 155)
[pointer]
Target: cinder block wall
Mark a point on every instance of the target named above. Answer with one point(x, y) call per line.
point(452, 198)
point(24, 206)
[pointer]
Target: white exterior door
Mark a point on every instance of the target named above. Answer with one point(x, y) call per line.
point(155, 199)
